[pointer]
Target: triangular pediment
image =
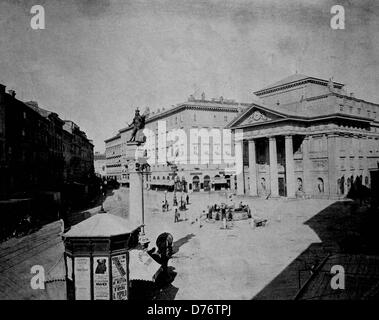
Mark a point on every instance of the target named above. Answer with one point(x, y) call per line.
point(256, 115)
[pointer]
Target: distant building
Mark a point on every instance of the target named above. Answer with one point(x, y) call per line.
point(78, 154)
point(100, 164)
point(307, 137)
point(194, 114)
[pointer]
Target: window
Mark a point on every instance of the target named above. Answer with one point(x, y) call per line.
point(225, 118)
point(369, 113)
point(351, 109)
point(341, 107)
point(359, 110)
point(24, 114)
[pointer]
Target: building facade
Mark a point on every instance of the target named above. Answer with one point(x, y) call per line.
point(307, 137)
point(31, 147)
point(181, 123)
point(78, 154)
point(39, 152)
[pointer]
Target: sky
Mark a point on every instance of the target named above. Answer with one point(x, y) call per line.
point(96, 61)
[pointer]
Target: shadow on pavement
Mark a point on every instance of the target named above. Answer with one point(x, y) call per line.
point(178, 243)
point(344, 227)
point(161, 289)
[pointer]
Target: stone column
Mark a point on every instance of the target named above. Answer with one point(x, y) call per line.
point(366, 151)
point(252, 169)
point(135, 193)
point(239, 167)
point(290, 168)
point(356, 154)
point(273, 167)
point(332, 164)
point(307, 166)
point(135, 184)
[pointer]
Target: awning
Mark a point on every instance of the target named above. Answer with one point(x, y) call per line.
point(142, 266)
point(219, 181)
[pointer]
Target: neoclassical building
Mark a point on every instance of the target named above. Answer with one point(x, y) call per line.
point(306, 136)
point(198, 114)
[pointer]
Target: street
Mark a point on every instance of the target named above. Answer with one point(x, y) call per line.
point(211, 263)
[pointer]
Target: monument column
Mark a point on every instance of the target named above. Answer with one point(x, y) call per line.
point(239, 167)
point(252, 169)
point(273, 167)
point(135, 183)
point(290, 167)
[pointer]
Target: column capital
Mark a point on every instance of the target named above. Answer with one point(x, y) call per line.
point(288, 136)
point(272, 138)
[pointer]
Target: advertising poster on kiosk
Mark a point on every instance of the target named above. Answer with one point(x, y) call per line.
point(101, 278)
point(82, 278)
point(69, 267)
point(119, 277)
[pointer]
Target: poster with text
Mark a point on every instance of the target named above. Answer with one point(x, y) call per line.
point(119, 278)
point(82, 278)
point(69, 267)
point(100, 278)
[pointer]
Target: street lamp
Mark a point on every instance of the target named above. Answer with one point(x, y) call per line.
point(103, 193)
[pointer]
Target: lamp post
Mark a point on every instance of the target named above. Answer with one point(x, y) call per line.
point(103, 193)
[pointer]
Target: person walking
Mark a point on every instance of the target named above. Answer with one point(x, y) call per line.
point(223, 216)
point(199, 218)
point(187, 199)
point(176, 219)
point(210, 211)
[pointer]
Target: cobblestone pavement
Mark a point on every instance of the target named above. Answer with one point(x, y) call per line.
point(211, 263)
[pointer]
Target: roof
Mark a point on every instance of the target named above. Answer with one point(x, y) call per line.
point(214, 105)
point(34, 105)
point(292, 78)
point(102, 225)
point(295, 78)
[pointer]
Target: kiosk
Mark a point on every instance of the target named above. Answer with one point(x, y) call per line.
point(97, 257)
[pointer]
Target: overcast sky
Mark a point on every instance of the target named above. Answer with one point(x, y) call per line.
point(98, 60)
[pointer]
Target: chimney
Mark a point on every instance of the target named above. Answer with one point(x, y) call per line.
point(12, 93)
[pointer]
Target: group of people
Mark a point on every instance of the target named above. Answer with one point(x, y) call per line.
point(183, 207)
point(175, 204)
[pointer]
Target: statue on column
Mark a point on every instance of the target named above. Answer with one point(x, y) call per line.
point(138, 126)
